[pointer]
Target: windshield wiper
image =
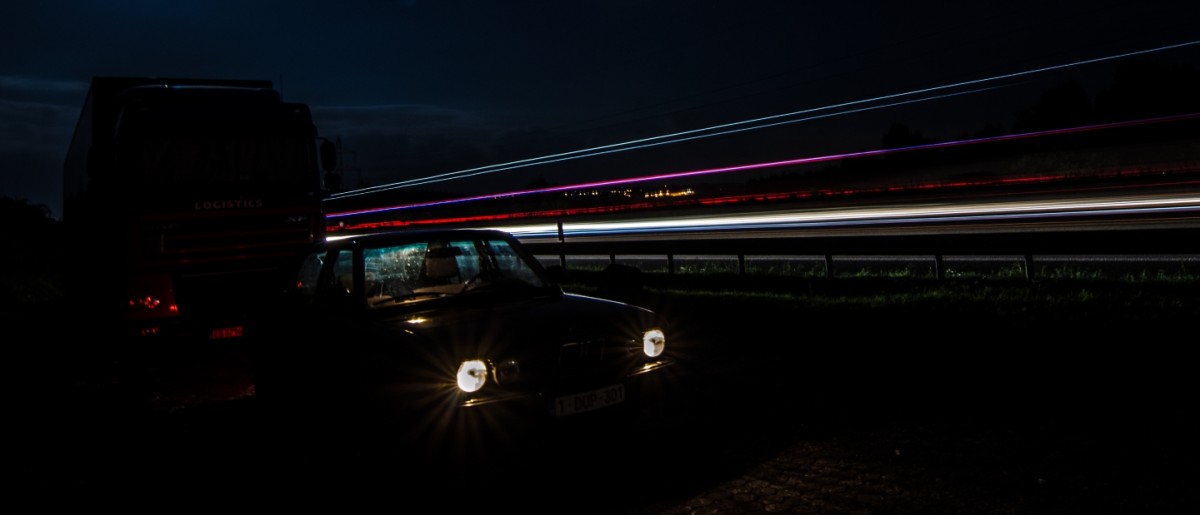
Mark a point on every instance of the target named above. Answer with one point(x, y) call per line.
point(408, 297)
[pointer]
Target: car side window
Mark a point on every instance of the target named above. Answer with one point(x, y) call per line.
point(511, 263)
point(467, 259)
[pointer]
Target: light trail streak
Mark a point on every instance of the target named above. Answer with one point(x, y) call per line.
point(860, 217)
point(870, 216)
point(421, 182)
point(765, 165)
point(734, 201)
point(659, 140)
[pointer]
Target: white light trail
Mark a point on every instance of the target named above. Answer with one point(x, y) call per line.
point(861, 216)
point(696, 133)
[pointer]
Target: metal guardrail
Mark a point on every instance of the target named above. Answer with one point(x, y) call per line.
point(1137, 241)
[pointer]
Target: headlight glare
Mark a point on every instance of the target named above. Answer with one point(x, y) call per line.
point(472, 374)
point(653, 342)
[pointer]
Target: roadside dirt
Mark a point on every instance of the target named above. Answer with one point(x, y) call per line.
point(772, 410)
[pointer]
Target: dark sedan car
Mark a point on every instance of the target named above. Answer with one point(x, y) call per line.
point(445, 338)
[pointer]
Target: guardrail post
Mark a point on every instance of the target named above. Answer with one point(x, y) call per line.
point(741, 264)
point(1028, 267)
point(938, 271)
point(612, 259)
point(829, 266)
point(670, 264)
point(562, 248)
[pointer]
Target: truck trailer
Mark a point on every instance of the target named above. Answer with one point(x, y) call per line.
point(184, 202)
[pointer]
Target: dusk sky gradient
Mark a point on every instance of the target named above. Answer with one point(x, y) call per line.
point(419, 87)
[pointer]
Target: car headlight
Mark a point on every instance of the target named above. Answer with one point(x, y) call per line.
point(653, 342)
point(472, 374)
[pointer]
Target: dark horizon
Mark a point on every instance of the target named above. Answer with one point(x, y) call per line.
point(416, 88)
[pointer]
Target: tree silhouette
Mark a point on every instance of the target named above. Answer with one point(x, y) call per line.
point(900, 135)
point(1145, 88)
point(30, 270)
point(26, 218)
point(1064, 105)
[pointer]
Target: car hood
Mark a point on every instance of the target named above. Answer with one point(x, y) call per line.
point(509, 327)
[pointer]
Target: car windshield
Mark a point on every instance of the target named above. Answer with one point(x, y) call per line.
point(416, 271)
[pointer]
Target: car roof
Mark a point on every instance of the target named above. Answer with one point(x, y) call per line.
point(400, 236)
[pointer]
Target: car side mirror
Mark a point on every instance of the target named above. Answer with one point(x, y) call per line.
point(329, 156)
point(557, 273)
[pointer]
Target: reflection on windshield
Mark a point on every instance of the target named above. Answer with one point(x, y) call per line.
point(430, 269)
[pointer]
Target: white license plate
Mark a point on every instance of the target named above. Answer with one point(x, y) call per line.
point(588, 401)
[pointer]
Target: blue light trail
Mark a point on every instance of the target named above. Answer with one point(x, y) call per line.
point(765, 165)
point(699, 133)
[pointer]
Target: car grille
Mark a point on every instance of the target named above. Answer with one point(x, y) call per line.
point(586, 358)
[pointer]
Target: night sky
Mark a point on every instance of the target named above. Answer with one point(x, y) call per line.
point(414, 87)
